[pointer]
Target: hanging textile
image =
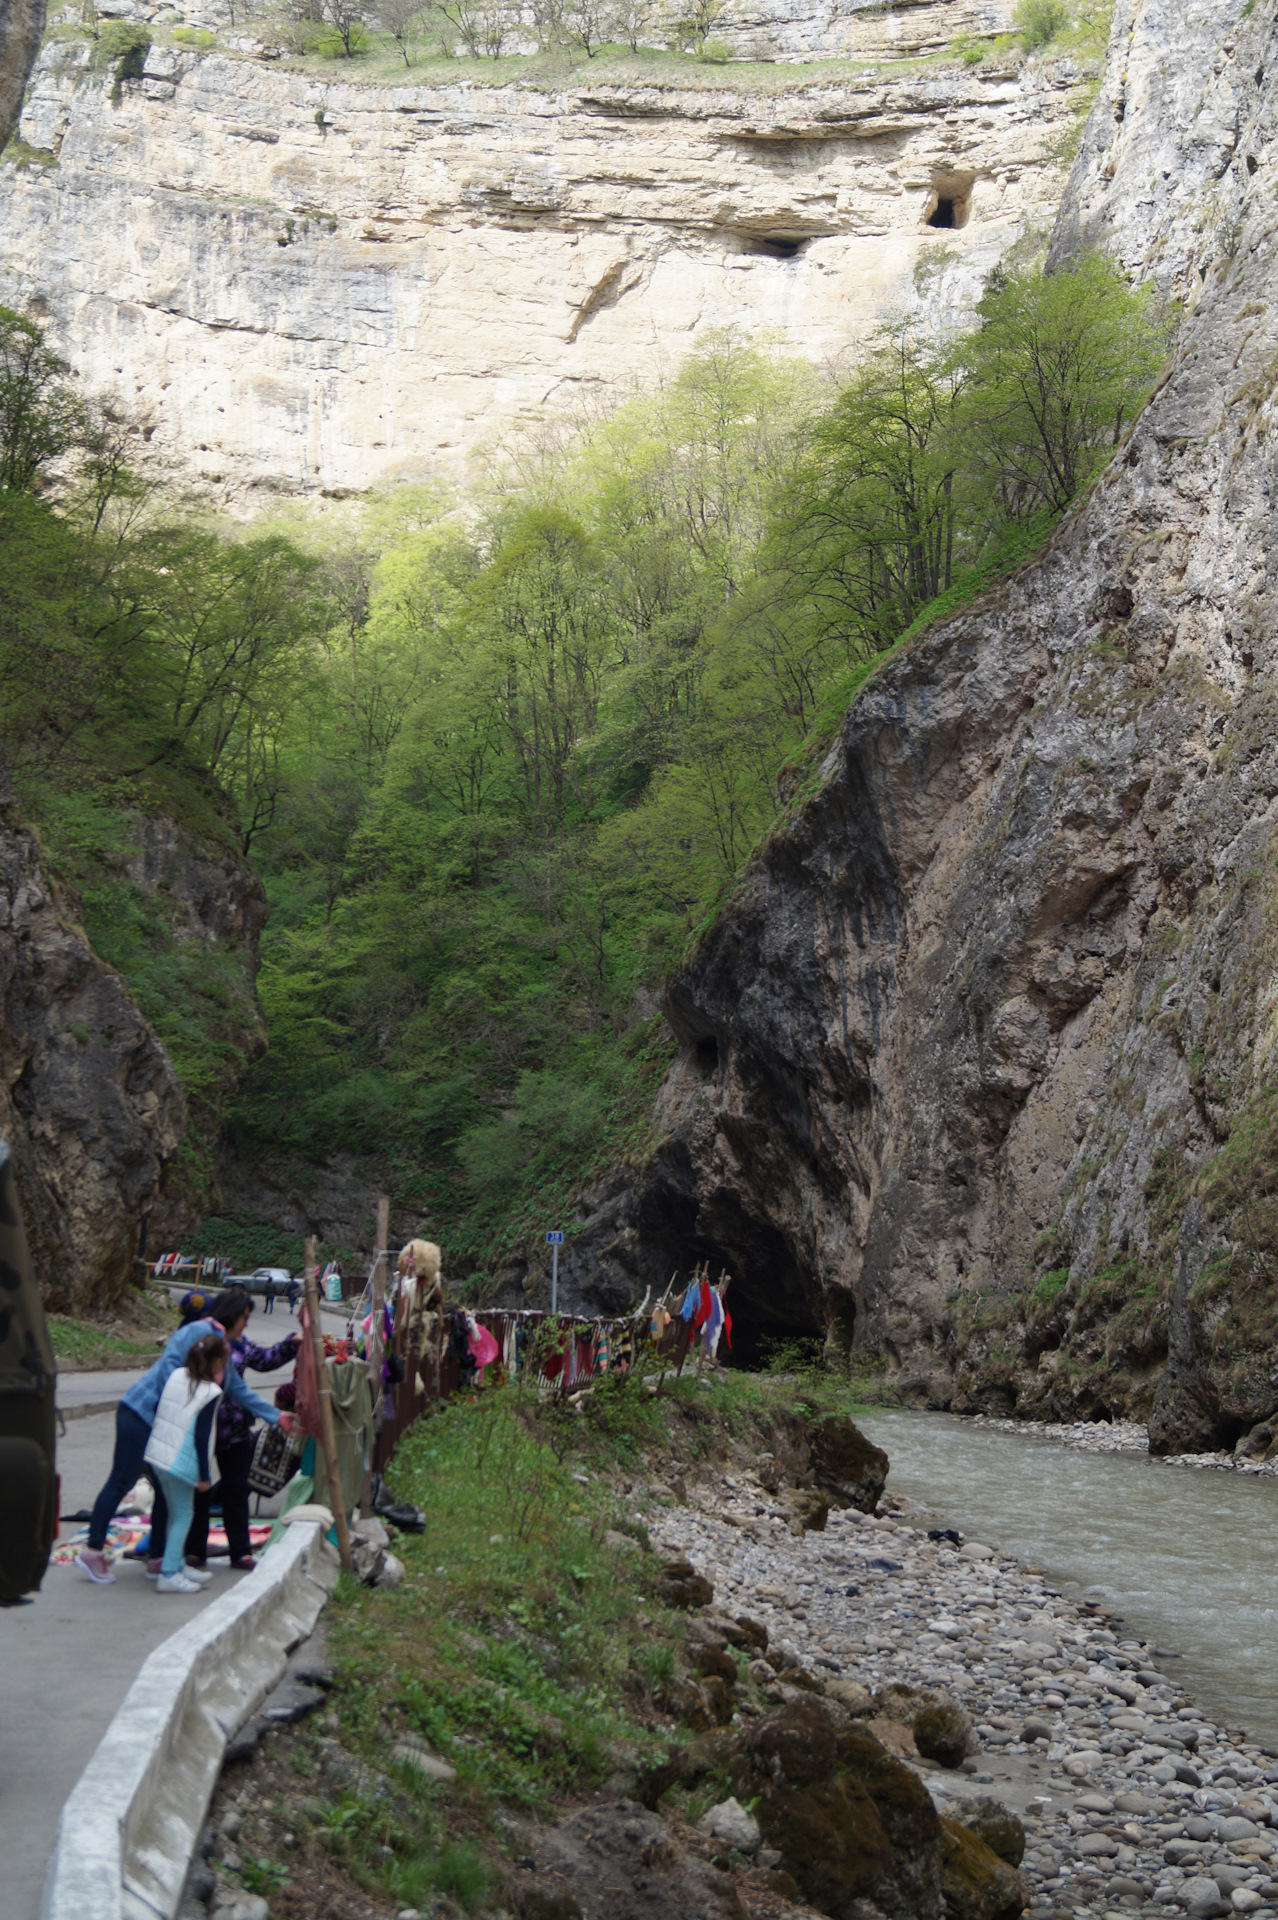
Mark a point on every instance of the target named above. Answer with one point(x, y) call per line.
point(352, 1405)
point(306, 1387)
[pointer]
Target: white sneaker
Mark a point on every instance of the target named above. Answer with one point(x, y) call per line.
point(200, 1575)
point(177, 1583)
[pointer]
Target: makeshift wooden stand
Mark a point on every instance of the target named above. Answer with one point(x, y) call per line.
point(328, 1439)
point(375, 1325)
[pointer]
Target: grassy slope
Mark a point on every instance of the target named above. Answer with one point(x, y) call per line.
point(524, 1647)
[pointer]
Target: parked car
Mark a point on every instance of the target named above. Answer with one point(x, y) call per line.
point(256, 1281)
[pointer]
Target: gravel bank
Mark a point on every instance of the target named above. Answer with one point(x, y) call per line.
point(1134, 1801)
point(1121, 1436)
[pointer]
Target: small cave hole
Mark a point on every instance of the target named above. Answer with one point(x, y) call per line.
point(708, 1055)
point(1252, 163)
point(943, 215)
point(776, 246)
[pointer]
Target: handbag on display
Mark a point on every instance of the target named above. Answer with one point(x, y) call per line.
point(276, 1457)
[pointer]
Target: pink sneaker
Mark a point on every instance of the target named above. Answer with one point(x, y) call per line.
point(95, 1566)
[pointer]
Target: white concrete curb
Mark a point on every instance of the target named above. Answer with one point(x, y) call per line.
point(130, 1824)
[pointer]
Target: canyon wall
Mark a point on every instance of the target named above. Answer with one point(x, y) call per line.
point(89, 1103)
point(21, 28)
point(307, 286)
point(110, 1093)
point(978, 1066)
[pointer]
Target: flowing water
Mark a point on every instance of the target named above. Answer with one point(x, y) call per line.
point(1189, 1558)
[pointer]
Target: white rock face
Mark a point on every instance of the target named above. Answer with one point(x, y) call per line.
point(303, 287)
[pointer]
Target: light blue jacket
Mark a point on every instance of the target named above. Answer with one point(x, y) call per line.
point(143, 1396)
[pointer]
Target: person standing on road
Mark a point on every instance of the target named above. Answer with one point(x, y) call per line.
point(134, 1417)
point(294, 1289)
point(178, 1451)
point(233, 1444)
point(269, 1291)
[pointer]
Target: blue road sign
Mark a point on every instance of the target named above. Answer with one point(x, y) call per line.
point(555, 1239)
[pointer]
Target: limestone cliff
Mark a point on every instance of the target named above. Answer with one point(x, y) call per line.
point(21, 25)
point(978, 1066)
point(302, 285)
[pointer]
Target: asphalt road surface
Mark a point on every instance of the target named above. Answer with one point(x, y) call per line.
point(71, 1654)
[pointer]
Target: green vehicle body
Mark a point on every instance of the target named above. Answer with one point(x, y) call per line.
point(28, 1376)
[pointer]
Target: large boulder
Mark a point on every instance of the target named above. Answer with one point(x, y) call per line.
point(943, 1732)
point(849, 1820)
point(1000, 1829)
point(848, 1467)
point(976, 1884)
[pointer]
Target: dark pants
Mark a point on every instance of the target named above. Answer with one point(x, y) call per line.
point(270, 1302)
point(127, 1468)
point(232, 1488)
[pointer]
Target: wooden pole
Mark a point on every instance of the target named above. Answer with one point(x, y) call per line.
point(327, 1438)
point(374, 1349)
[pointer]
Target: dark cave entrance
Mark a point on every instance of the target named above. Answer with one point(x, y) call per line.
point(943, 216)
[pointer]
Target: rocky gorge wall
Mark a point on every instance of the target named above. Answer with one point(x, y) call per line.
point(298, 285)
point(977, 1068)
point(110, 1086)
point(89, 1102)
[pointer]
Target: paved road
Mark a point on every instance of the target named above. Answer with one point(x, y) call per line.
point(68, 1659)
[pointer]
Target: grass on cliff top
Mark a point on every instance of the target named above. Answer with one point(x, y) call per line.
point(524, 1647)
point(376, 60)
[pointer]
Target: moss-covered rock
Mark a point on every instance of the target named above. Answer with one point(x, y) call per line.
point(848, 1467)
point(942, 1733)
point(993, 1823)
point(849, 1821)
point(975, 1883)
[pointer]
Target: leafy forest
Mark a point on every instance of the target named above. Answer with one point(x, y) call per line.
point(498, 755)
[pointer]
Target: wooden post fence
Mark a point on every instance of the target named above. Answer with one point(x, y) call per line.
point(328, 1439)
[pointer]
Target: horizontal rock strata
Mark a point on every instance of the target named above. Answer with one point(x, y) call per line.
point(316, 286)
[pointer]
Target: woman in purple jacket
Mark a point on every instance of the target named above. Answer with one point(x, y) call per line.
point(234, 1454)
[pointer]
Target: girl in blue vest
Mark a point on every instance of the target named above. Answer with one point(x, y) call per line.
point(178, 1452)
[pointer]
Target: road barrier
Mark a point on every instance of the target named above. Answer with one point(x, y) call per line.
point(130, 1824)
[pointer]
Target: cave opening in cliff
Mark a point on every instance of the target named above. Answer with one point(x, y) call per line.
point(949, 204)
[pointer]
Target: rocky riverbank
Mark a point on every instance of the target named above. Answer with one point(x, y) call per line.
point(1133, 1801)
point(1251, 1455)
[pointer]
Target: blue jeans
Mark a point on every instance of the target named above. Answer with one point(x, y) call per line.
point(179, 1496)
point(127, 1468)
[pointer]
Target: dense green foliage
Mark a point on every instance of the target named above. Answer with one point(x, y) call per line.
point(498, 758)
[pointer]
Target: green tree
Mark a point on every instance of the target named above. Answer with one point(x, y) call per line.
point(40, 419)
point(1057, 366)
point(877, 525)
point(1038, 22)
